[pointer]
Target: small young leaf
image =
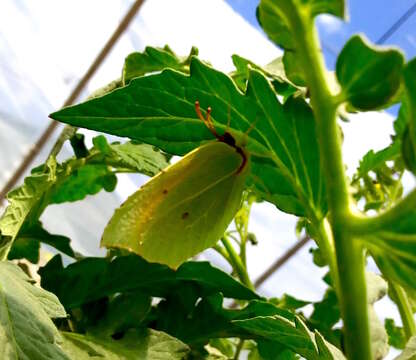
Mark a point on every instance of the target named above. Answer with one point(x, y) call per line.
point(78, 145)
point(289, 302)
point(275, 16)
point(25, 314)
point(280, 21)
point(154, 59)
point(274, 71)
point(142, 158)
point(397, 337)
point(87, 180)
point(370, 76)
point(143, 344)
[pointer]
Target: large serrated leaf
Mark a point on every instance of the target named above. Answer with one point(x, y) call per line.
point(27, 331)
point(143, 344)
point(159, 110)
point(93, 278)
point(370, 76)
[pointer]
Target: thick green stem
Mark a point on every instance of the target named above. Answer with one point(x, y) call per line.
point(236, 263)
point(405, 309)
point(349, 253)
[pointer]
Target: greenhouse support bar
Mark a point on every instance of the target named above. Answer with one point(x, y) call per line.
point(281, 261)
point(277, 264)
point(37, 147)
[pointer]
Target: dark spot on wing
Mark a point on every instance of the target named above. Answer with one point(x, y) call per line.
point(185, 215)
point(165, 191)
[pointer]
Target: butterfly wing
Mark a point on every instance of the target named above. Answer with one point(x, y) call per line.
point(184, 209)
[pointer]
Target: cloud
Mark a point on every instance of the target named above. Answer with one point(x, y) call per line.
point(330, 24)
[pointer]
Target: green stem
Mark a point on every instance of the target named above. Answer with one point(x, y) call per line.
point(238, 349)
point(67, 132)
point(405, 309)
point(325, 242)
point(349, 252)
point(220, 250)
point(236, 263)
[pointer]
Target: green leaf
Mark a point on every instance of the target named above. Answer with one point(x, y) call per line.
point(293, 68)
point(325, 315)
point(274, 71)
point(25, 247)
point(269, 350)
point(276, 17)
point(154, 59)
point(93, 278)
point(289, 302)
point(159, 110)
point(225, 346)
point(393, 247)
point(375, 160)
point(87, 180)
point(124, 311)
point(143, 344)
point(27, 331)
point(142, 158)
point(281, 21)
point(197, 321)
point(27, 244)
point(70, 181)
point(409, 351)
point(78, 145)
point(408, 151)
point(409, 105)
point(293, 334)
point(23, 201)
point(397, 337)
point(370, 76)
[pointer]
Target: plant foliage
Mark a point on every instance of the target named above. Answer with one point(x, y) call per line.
point(280, 122)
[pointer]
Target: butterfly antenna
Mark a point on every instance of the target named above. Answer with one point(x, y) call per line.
point(251, 127)
point(207, 120)
point(229, 118)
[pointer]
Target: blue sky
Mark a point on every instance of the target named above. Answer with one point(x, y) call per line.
point(372, 17)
